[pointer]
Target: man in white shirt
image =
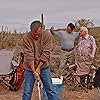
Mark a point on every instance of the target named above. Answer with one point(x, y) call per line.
point(67, 40)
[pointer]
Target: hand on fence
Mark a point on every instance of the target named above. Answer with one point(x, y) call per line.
point(51, 29)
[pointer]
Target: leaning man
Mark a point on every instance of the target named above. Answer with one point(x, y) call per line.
point(36, 46)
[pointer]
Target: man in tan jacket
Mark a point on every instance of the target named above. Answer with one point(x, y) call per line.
point(37, 45)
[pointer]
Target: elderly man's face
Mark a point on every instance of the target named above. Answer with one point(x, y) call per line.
point(37, 33)
point(82, 32)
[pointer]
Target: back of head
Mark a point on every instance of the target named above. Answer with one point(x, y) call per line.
point(35, 25)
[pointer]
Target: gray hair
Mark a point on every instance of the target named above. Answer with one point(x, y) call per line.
point(84, 29)
point(35, 25)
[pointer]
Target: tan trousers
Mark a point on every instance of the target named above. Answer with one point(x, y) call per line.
point(66, 57)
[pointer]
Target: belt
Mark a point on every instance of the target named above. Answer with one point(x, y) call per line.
point(68, 50)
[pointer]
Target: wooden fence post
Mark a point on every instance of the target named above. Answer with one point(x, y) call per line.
point(42, 20)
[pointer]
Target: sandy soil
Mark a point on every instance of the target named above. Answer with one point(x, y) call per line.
point(6, 94)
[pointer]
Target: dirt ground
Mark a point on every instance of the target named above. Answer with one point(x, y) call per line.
point(6, 94)
point(94, 94)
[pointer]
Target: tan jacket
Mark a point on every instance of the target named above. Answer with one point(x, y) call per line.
point(36, 50)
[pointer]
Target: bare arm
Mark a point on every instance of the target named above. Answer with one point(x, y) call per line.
point(93, 48)
point(93, 52)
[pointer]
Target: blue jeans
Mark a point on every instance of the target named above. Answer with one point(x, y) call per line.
point(47, 84)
